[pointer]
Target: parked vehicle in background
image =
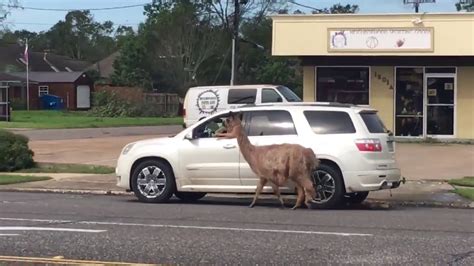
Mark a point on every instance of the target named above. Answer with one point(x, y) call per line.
point(356, 151)
point(202, 101)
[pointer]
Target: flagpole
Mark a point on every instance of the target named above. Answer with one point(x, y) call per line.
point(27, 78)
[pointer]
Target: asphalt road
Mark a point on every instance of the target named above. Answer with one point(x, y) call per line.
point(226, 231)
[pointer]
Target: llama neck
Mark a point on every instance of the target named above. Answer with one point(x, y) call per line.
point(245, 146)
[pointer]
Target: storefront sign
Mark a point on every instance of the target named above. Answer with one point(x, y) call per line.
point(381, 40)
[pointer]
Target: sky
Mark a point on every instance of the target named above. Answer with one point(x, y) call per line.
point(35, 20)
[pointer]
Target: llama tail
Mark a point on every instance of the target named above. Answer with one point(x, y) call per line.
point(312, 163)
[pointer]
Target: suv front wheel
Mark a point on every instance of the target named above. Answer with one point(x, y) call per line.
point(329, 187)
point(153, 181)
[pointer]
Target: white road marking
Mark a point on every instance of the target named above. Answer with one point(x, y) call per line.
point(9, 234)
point(191, 227)
point(34, 228)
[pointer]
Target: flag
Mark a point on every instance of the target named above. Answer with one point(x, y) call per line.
point(25, 54)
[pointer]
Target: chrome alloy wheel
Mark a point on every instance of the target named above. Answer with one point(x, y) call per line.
point(325, 186)
point(151, 182)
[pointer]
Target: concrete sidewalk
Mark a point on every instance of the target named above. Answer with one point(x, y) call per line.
point(418, 193)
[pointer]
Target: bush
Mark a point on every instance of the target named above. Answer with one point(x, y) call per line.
point(14, 152)
point(106, 104)
point(18, 104)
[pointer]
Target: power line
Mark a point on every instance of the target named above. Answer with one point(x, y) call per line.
point(52, 24)
point(73, 9)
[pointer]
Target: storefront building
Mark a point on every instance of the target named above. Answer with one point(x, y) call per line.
point(416, 69)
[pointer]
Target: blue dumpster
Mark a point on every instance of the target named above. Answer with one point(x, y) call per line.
point(51, 102)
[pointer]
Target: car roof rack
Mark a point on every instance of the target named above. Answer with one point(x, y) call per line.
point(317, 104)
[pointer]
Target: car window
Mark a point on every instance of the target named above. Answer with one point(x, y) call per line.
point(210, 127)
point(289, 94)
point(330, 122)
point(373, 122)
point(267, 123)
point(246, 96)
point(270, 96)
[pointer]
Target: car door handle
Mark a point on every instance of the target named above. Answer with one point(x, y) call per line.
point(229, 146)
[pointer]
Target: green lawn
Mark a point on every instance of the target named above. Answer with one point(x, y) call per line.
point(467, 181)
point(467, 192)
point(60, 119)
point(13, 179)
point(68, 168)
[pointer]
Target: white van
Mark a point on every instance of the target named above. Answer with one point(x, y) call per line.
point(203, 101)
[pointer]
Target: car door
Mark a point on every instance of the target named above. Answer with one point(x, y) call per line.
point(266, 127)
point(208, 161)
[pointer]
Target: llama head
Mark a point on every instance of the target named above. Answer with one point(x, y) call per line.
point(234, 119)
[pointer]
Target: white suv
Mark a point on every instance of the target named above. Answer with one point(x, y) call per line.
point(356, 153)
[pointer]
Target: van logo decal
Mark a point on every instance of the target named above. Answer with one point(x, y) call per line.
point(207, 102)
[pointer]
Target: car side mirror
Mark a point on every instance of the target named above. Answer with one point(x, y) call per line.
point(189, 136)
point(279, 100)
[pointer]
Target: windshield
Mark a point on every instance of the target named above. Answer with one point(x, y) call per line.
point(288, 94)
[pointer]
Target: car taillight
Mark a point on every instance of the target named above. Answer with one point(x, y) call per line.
point(371, 145)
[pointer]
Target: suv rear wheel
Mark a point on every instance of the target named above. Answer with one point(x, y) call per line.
point(153, 181)
point(356, 197)
point(329, 187)
point(189, 196)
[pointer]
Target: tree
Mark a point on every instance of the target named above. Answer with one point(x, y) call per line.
point(80, 37)
point(178, 38)
point(465, 5)
point(5, 9)
point(129, 67)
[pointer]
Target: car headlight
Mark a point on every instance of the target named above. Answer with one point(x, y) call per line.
point(127, 148)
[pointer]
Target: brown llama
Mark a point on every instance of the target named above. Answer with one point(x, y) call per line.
point(276, 163)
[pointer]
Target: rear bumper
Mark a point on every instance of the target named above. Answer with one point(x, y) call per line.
point(372, 180)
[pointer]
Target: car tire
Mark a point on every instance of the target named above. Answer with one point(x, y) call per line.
point(356, 197)
point(189, 196)
point(153, 181)
point(327, 178)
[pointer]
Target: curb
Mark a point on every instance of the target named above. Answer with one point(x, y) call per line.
point(67, 191)
point(404, 203)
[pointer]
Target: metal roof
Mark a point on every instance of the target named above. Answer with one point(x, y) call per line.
point(59, 77)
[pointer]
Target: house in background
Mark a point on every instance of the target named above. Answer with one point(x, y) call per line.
point(105, 67)
point(11, 60)
point(73, 87)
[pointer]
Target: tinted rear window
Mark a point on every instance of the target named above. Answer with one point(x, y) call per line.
point(330, 122)
point(270, 123)
point(246, 96)
point(373, 123)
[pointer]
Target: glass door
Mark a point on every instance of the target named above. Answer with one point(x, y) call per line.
point(440, 90)
point(409, 111)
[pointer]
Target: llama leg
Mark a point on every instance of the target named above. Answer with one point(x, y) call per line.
point(309, 192)
point(299, 198)
point(276, 190)
point(259, 189)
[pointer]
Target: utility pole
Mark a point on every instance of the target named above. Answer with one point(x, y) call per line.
point(27, 59)
point(235, 41)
